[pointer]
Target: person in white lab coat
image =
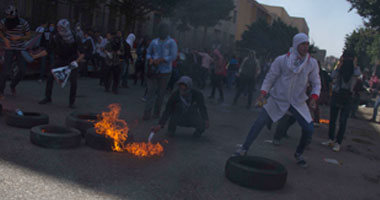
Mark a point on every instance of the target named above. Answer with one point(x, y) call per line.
point(286, 82)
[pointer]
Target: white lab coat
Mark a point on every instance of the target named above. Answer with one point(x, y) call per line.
point(287, 87)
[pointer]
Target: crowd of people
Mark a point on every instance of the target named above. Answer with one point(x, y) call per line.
point(292, 87)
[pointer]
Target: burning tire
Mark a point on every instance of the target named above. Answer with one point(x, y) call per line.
point(28, 120)
point(100, 142)
point(82, 121)
point(256, 172)
point(55, 137)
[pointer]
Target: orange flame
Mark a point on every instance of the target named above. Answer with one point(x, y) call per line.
point(117, 129)
point(324, 121)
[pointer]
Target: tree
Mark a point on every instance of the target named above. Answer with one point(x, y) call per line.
point(268, 40)
point(369, 10)
point(362, 42)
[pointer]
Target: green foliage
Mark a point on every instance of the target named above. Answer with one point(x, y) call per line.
point(368, 9)
point(268, 40)
point(365, 42)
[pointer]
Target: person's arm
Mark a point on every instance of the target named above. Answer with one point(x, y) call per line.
point(315, 81)
point(173, 52)
point(149, 53)
point(272, 76)
point(27, 35)
point(6, 41)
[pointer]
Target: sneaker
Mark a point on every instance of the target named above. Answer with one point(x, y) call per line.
point(300, 160)
point(240, 151)
point(45, 101)
point(336, 147)
point(328, 143)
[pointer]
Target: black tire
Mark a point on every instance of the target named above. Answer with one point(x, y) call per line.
point(55, 137)
point(256, 172)
point(28, 120)
point(82, 121)
point(100, 142)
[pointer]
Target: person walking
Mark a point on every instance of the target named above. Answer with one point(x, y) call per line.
point(161, 53)
point(66, 48)
point(113, 51)
point(247, 76)
point(14, 31)
point(344, 79)
point(127, 58)
point(286, 82)
point(218, 74)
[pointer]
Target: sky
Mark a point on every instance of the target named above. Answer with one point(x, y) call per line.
point(329, 20)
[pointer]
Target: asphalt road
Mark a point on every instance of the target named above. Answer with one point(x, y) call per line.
point(189, 169)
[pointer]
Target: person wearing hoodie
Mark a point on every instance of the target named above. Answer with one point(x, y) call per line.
point(286, 82)
point(127, 57)
point(185, 108)
point(14, 31)
point(66, 49)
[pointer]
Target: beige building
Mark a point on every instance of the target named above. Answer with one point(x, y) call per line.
point(280, 13)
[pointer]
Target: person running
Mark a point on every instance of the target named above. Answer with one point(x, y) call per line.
point(344, 78)
point(286, 82)
point(14, 31)
point(65, 47)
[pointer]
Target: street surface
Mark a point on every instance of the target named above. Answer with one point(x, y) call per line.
point(190, 168)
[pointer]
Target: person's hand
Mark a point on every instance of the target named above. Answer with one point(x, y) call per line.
point(15, 37)
point(207, 124)
point(156, 129)
point(7, 43)
point(260, 101)
point(313, 103)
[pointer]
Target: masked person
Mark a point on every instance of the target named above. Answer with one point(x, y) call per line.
point(344, 78)
point(14, 31)
point(161, 53)
point(65, 47)
point(186, 108)
point(113, 69)
point(286, 82)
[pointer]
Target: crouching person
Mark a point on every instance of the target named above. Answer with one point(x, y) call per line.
point(185, 108)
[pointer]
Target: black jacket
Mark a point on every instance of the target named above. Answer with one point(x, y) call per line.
point(196, 109)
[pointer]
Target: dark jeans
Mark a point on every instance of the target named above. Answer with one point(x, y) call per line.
point(355, 105)
point(202, 77)
point(246, 83)
point(344, 112)
point(283, 126)
point(231, 77)
point(8, 59)
point(140, 72)
point(73, 86)
point(263, 119)
point(125, 73)
point(174, 78)
point(43, 64)
point(112, 72)
point(186, 120)
point(217, 83)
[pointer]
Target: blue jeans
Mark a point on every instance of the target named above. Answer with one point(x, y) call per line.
point(125, 73)
point(377, 104)
point(8, 59)
point(263, 119)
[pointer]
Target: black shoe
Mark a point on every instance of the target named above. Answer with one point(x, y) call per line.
point(45, 101)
